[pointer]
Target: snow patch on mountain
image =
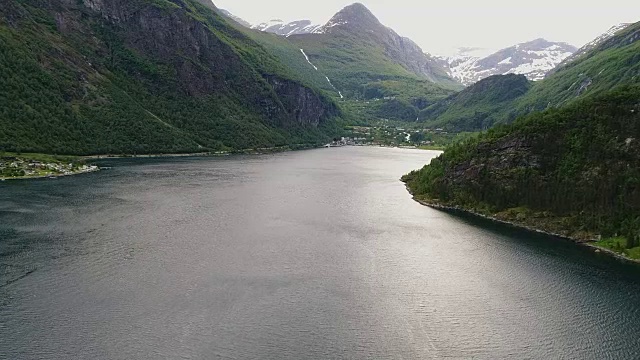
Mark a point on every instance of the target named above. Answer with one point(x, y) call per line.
point(279, 27)
point(269, 24)
point(331, 24)
point(505, 61)
point(532, 59)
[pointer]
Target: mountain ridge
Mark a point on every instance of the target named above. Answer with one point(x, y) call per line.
point(357, 21)
point(592, 44)
point(533, 59)
point(281, 28)
point(612, 63)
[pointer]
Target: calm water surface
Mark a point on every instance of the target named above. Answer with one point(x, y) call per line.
point(307, 255)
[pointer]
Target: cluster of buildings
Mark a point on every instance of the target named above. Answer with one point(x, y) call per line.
point(19, 167)
point(348, 141)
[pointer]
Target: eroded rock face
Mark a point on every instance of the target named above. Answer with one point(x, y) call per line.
point(500, 164)
point(304, 105)
point(205, 64)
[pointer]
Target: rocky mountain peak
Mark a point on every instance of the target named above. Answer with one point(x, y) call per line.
point(354, 16)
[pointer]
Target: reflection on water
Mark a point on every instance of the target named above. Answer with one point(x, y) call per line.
point(303, 255)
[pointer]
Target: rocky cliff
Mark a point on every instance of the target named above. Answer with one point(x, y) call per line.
point(177, 61)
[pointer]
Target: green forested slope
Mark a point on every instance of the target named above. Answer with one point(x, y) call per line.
point(366, 61)
point(289, 54)
point(142, 76)
point(476, 107)
point(612, 63)
point(574, 171)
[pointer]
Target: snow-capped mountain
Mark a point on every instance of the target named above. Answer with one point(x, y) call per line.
point(357, 24)
point(597, 41)
point(301, 27)
point(532, 59)
point(279, 27)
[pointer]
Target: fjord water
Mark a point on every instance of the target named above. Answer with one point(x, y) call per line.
point(317, 254)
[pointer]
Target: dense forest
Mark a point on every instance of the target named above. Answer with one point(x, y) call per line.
point(146, 76)
point(573, 171)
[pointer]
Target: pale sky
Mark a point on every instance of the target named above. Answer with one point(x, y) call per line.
point(440, 27)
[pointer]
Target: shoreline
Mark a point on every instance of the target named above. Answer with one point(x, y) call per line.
point(149, 156)
point(52, 176)
point(258, 151)
point(589, 244)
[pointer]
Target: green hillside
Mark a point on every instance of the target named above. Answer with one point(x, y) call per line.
point(289, 55)
point(365, 61)
point(476, 107)
point(612, 63)
point(146, 76)
point(573, 171)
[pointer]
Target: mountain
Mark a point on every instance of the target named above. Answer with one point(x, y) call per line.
point(279, 27)
point(356, 22)
point(612, 62)
point(237, 19)
point(532, 59)
point(146, 76)
point(573, 171)
point(474, 107)
point(390, 76)
point(593, 44)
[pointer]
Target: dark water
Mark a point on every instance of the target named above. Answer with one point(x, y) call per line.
point(308, 255)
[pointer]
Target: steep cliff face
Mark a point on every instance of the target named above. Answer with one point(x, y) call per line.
point(177, 61)
point(215, 65)
point(407, 53)
point(304, 105)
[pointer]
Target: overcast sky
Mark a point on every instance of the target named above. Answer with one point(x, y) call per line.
point(441, 26)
